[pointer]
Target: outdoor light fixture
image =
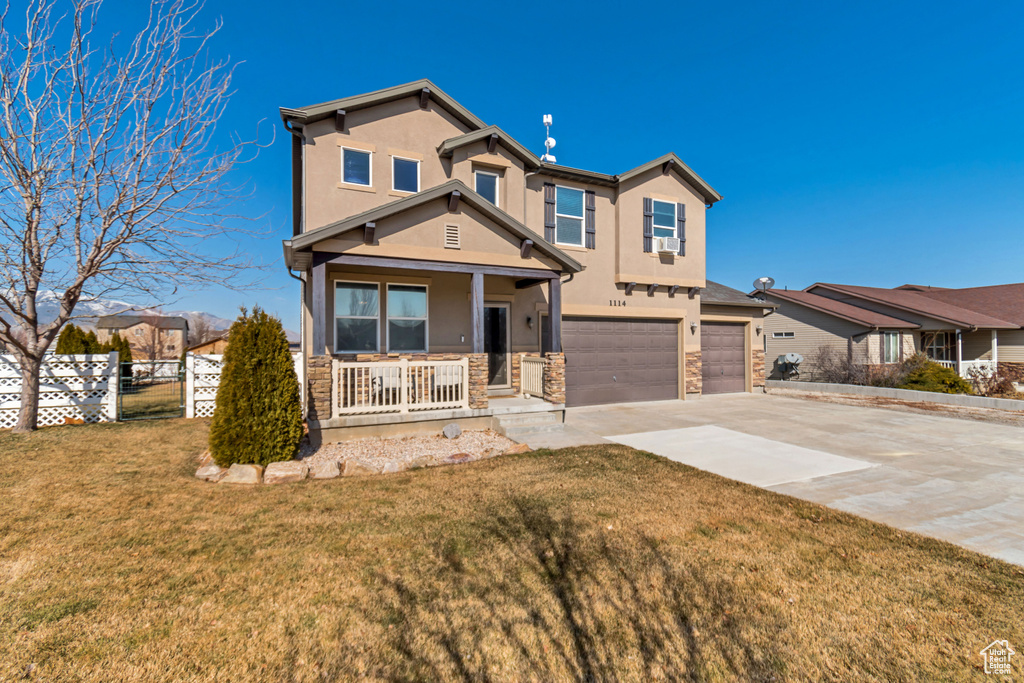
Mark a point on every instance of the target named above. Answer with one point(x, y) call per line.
point(529, 322)
point(759, 329)
point(693, 326)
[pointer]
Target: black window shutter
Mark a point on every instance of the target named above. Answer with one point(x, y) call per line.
point(648, 224)
point(589, 220)
point(549, 212)
point(681, 227)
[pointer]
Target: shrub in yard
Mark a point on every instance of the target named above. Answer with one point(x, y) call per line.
point(258, 417)
point(926, 375)
point(72, 340)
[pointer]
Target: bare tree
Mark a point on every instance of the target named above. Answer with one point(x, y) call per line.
point(151, 344)
point(110, 179)
point(200, 330)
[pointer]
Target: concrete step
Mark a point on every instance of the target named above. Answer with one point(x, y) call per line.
point(522, 433)
point(528, 418)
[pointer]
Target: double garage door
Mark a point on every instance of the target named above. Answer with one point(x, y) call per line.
point(616, 360)
point(723, 358)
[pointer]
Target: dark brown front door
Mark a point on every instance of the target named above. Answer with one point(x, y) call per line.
point(723, 358)
point(615, 360)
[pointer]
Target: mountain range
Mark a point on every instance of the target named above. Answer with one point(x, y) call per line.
point(48, 303)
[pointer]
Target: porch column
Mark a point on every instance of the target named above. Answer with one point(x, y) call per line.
point(319, 309)
point(555, 314)
point(995, 349)
point(477, 303)
point(959, 353)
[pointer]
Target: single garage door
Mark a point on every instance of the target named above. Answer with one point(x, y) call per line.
point(723, 361)
point(615, 360)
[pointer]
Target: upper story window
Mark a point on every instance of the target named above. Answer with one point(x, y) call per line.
point(405, 175)
point(487, 186)
point(355, 166)
point(664, 219)
point(569, 216)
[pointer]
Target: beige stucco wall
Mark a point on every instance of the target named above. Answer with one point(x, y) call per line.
point(467, 160)
point(169, 343)
point(397, 128)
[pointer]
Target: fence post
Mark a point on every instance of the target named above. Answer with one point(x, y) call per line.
point(335, 376)
point(113, 384)
point(190, 385)
point(403, 384)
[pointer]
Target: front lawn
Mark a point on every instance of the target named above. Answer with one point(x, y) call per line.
point(589, 563)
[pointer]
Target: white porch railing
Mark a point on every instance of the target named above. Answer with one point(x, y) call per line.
point(399, 386)
point(984, 368)
point(951, 364)
point(531, 375)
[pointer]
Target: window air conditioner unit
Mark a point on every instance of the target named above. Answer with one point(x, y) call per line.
point(668, 245)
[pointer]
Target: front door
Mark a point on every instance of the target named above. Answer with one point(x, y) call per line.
point(496, 344)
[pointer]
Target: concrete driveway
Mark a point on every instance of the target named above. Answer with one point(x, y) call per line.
point(955, 479)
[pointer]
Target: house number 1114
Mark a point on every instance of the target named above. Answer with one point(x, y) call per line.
point(616, 302)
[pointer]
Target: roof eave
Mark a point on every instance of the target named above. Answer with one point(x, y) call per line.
point(952, 321)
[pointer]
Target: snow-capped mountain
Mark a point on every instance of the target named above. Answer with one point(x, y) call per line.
point(48, 304)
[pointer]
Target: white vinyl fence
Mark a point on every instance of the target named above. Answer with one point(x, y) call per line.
point(202, 377)
point(74, 387)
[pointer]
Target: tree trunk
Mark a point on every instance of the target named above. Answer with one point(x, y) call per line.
point(28, 414)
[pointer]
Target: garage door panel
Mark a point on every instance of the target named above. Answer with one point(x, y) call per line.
point(723, 357)
point(612, 360)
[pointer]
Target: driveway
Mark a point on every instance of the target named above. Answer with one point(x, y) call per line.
point(955, 479)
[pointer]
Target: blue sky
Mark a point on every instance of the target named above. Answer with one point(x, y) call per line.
point(873, 144)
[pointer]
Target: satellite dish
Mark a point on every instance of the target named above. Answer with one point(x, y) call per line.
point(549, 143)
point(764, 283)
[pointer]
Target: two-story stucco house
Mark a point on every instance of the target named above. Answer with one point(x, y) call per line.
point(151, 337)
point(445, 267)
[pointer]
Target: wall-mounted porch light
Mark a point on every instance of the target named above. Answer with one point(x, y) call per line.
point(759, 329)
point(693, 326)
point(529, 321)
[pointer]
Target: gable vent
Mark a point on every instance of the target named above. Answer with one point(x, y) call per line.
point(451, 237)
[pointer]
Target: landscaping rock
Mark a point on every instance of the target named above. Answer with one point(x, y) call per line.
point(354, 468)
point(243, 474)
point(206, 458)
point(328, 469)
point(395, 466)
point(458, 458)
point(417, 463)
point(211, 472)
point(518, 448)
point(452, 431)
point(284, 472)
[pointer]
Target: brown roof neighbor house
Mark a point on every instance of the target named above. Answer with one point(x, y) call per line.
point(446, 266)
point(150, 336)
point(974, 329)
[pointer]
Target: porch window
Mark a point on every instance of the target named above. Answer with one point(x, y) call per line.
point(664, 219)
point(937, 348)
point(355, 166)
point(487, 186)
point(407, 318)
point(356, 317)
point(569, 216)
point(890, 347)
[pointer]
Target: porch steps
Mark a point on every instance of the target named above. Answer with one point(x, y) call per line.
point(521, 426)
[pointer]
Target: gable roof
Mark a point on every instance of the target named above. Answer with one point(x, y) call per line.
point(119, 322)
point(842, 310)
point(306, 240)
point(915, 302)
point(720, 295)
point(1005, 302)
point(317, 112)
point(507, 141)
point(684, 171)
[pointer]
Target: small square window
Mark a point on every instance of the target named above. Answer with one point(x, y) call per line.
point(487, 186)
point(405, 175)
point(355, 166)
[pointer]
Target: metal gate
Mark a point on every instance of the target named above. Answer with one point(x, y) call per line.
point(151, 389)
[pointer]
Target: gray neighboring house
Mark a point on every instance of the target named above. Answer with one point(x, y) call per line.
point(976, 329)
point(152, 337)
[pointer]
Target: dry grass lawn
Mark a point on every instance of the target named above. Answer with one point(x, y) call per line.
point(588, 563)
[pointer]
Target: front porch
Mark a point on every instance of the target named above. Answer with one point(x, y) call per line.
point(970, 353)
point(408, 345)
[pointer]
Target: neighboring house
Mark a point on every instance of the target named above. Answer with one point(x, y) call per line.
point(972, 328)
point(213, 346)
point(152, 337)
point(421, 233)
